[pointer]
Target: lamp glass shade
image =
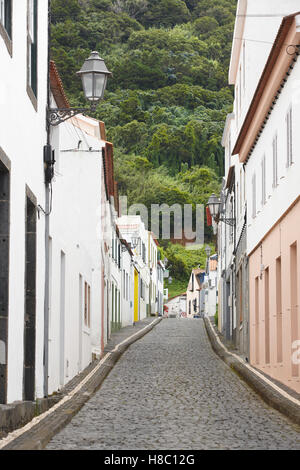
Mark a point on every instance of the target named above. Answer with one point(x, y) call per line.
point(94, 75)
point(214, 205)
point(87, 83)
point(100, 85)
point(135, 241)
point(207, 251)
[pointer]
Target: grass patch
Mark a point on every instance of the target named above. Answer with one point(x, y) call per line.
point(176, 288)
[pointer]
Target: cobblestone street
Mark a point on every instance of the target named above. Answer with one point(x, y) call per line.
point(170, 391)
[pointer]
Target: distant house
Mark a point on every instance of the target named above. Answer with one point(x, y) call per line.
point(194, 301)
point(211, 286)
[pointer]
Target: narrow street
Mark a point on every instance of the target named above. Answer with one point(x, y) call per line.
point(170, 391)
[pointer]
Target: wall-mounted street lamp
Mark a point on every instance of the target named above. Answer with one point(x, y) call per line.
point(94, 74)
point(214, 204)
point(135, 241)
point(208, 252)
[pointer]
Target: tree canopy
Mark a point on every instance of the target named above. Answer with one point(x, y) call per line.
point(168, 97)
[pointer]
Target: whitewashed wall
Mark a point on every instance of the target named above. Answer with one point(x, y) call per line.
point(278, 199)
point(258, 33)
point(22, 137)
point(75, 230)
point(127, 289)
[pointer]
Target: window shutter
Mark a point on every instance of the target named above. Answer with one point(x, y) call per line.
point(287, 118)
point(253, 196)
point(291, 135)
point(275, 170)
point(263, 180)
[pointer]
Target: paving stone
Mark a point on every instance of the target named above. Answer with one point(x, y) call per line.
point(170, 391)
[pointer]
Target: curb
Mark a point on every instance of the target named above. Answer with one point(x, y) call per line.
point(271, 394)
point(38, 432)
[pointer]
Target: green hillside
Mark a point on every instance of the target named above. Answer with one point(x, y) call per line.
point(168, 98)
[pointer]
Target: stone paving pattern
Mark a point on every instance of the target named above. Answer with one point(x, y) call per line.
point(169, 391)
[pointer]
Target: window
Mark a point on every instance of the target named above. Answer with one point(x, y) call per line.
point(257, 320)
point(241, 190)
point(267, 317)
point(144, 252)
point(294, 322)
point(254, 195)
point(87, 305)
point(240, 97)
point(112, 302)
point(263, 180)
point(32, 50)
point(289, 138)
point(237, 106)
point(244, 65)
point(275, 162)
point(279, 309)
point(6, 23)
point(119, 256)
point(5, 15)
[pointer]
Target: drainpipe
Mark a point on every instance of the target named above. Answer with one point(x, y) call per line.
point(47, 228)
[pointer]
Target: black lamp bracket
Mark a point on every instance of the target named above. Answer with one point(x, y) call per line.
point(230, 222)
point(56, 116)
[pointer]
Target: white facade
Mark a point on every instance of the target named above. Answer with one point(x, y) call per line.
point(272, 199)
point(132, 228)
point(249, 194)
point(255, 30)
point(127, 286)
point(211, 288)
point(152, 262)
point(160, 287)
point(22, 137)
point(116, 279)
point(75, 250)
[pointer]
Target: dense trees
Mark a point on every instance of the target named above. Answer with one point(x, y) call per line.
point(167, 100)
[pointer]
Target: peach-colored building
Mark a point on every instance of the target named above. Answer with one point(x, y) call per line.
point(194, 300)
point(268, 144)
point(274, 273)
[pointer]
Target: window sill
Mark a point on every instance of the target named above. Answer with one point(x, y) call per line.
point(32, 97)
point(6, 39)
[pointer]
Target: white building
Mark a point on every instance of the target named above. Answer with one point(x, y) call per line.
point(258, 306)
point(160, 287)
point(127, 292)
point(133, 230)
point(75, 249)
point(194, 301)
point(152, 262)
point(268, 145)
point(211, 287)
point(23, 100)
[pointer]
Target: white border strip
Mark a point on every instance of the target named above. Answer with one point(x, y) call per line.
point(275, 387)
point(18, 432)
